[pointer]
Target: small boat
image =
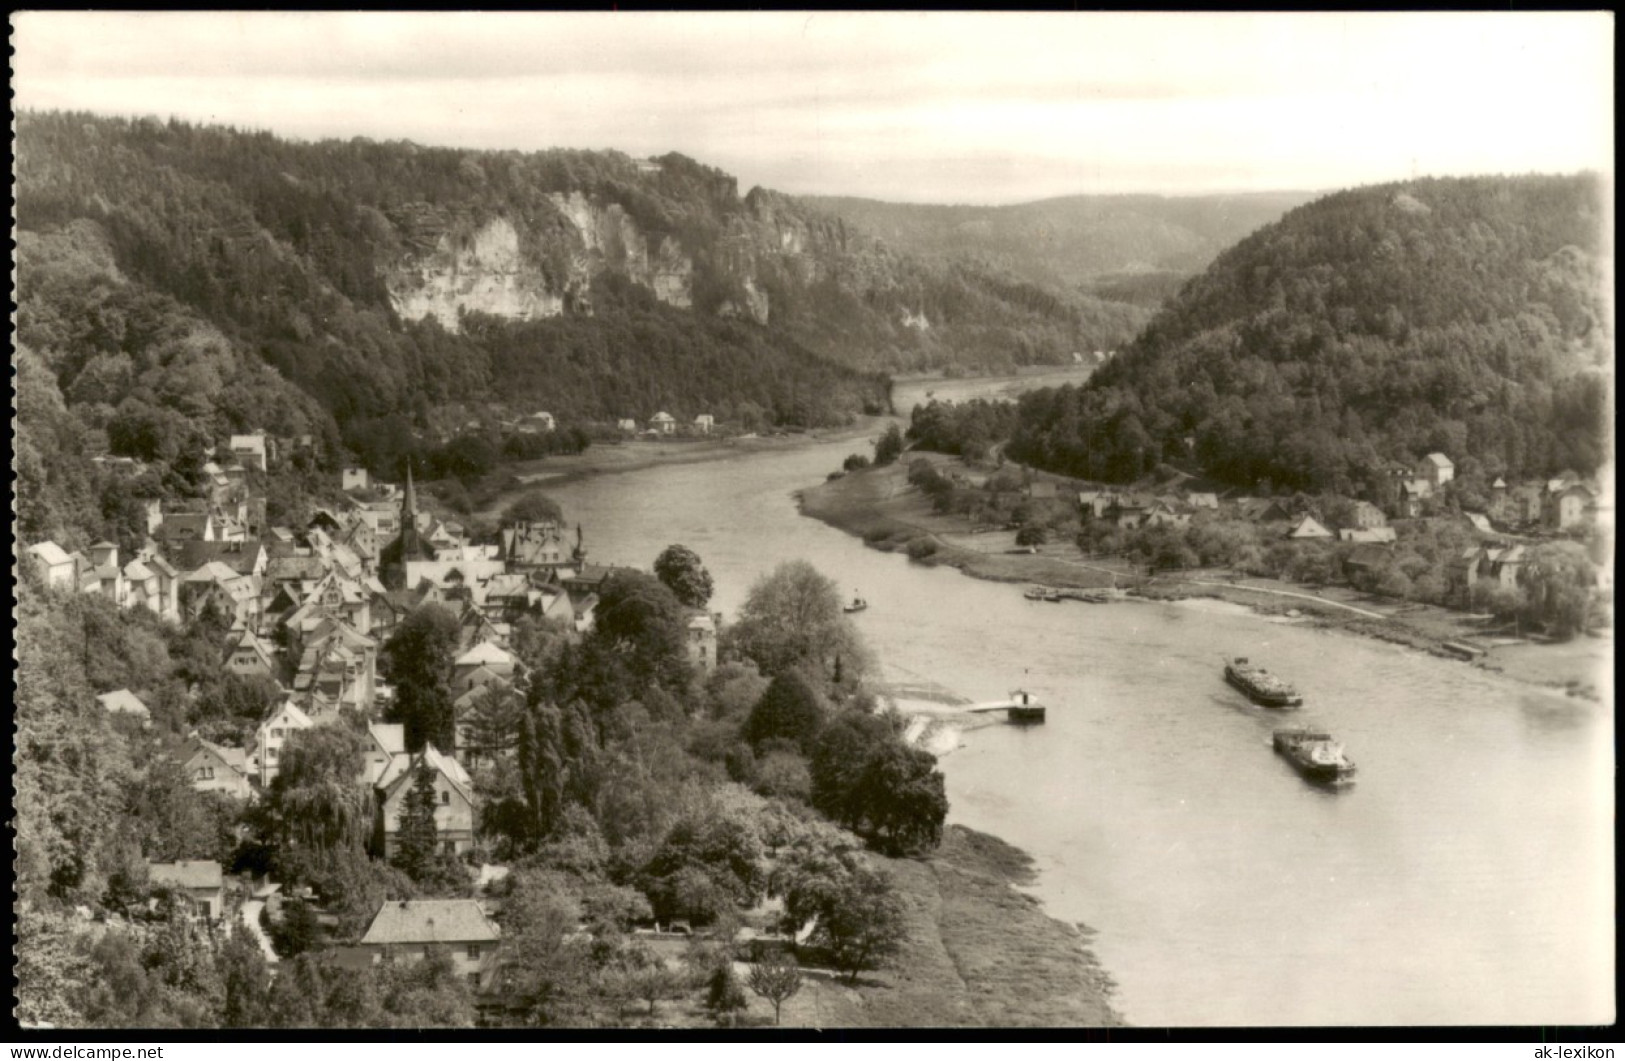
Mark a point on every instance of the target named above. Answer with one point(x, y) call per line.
point(1043, 593)
point(1259, 684)
point(857, 605)
point(1315, 754)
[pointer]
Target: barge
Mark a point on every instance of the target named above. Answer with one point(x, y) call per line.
point(1260, 685)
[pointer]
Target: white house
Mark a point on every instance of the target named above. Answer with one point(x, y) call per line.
point(211, 768)
point(354, 479)
point(663, 422)
point(1436, 468)
point(704, 423)
point(124, 702)
point(250, 450)
point(627, 424)
point(55, 566)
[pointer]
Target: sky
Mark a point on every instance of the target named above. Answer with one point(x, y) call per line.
point(910, 107)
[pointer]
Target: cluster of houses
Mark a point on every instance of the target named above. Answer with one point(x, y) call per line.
point(1559, 504)
point(661, 423)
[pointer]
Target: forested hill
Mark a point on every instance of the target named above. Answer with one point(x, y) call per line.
point(389, 277)
point(1124, 247)
point(1466, 316)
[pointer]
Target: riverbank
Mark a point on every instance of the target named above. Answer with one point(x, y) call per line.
point(637, 454)
point(879, 506)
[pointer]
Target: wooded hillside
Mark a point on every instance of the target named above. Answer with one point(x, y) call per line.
point(1466, 316)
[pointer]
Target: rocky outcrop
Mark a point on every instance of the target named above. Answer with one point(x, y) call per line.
point(448, 268)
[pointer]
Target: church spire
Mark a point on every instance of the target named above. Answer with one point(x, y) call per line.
point(409, 518)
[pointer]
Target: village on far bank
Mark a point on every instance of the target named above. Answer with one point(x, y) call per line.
point(308, 609)
point(1490, 562)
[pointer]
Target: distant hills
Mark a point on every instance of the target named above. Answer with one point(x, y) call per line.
point(1121, 247)
point(389, 279)
point(1466, 316)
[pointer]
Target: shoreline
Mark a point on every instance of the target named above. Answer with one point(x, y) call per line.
point(879, 506)
point(635, 455)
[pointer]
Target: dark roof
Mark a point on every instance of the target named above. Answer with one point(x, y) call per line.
point(239, 556)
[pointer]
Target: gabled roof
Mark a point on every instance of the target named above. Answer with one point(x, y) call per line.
point(125, 701)
point(197, 873)
point(136, 571)
point(401, 768)
point(1439, 460)
point(1309, 527)
point(241, 557)
point(290, 712)
point(235, 758)
point(390, 737)
point(486, 652)
point(420, 921)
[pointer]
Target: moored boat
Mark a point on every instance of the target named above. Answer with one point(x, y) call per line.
point(1259, 684)
point(1315, 754)
point(858, 604)
point(1043, 593)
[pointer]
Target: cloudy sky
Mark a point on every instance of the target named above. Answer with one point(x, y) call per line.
point(978, 108)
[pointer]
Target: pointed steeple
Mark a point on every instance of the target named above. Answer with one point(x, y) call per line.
point(409, 519)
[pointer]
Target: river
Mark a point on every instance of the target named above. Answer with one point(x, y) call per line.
point(1467, 878)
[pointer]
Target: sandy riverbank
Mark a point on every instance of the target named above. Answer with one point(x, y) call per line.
point(879, 506)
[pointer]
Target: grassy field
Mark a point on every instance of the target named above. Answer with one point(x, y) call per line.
point(980, 954)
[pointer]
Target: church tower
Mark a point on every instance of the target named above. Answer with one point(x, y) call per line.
point(409, 519)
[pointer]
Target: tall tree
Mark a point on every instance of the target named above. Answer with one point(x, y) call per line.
point(792, 618)
point(417, 842)
point(419, 656)
point(789, 710)
point(680, 570)
point(640, 623)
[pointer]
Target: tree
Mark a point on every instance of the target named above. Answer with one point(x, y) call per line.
point(297, 932)
point(640, 625)
point(316, 810)
point(419, 656)
point(1031, 534)
point(247, 982)
point(705, 866)
point(889, 446)
point(789, 710)
point(723, 996)
point(899, 799)
point(792, 618)
point(534, 507)
point(775, 977)
point(680, 570)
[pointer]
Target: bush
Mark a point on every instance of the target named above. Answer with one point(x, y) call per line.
point(855, 462)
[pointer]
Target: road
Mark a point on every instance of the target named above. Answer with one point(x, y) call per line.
point(1281, 593)
point(251, 920)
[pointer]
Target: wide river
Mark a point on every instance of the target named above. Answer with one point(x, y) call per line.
point(1467, 878)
